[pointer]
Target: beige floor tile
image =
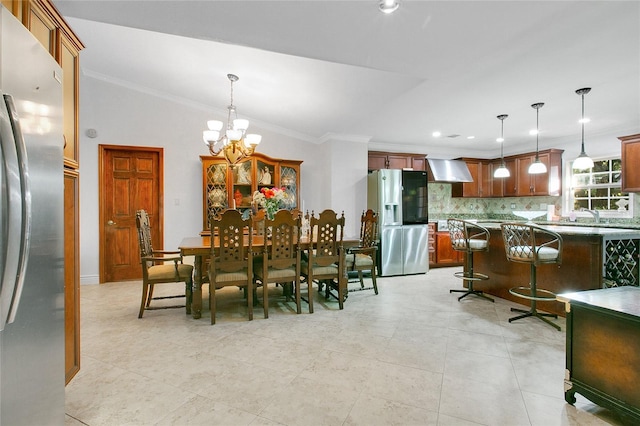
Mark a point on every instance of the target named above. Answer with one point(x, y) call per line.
point(410, 355)
point(369, 410)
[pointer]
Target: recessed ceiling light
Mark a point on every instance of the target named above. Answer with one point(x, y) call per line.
point(471, 137)
point(584, 120)
point(388, 6)
point(533, 132)
point(500, 140)
point(436, 134)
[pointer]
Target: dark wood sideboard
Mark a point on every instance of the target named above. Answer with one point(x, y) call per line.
point(603, 349)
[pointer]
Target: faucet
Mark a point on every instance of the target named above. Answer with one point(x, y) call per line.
point(595, 213)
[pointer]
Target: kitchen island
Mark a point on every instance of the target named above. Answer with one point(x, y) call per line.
point(591, 258)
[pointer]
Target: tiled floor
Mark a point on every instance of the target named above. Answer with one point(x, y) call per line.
point(413, 355)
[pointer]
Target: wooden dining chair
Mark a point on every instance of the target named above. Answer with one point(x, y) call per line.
point(325, 257)
point(363, 257)
point(160, 267)
point(280, 262)
point(231, 260)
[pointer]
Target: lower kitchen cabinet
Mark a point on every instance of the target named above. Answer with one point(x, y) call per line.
point(445, 254)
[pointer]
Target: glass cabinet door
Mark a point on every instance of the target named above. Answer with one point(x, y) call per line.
point(289, 181)
point(216, 190)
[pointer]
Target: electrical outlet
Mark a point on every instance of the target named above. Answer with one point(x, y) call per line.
point(543, 206)
point(513, 206)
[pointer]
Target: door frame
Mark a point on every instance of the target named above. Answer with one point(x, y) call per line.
point(102, 150)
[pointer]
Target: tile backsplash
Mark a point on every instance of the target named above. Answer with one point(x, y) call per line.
point(443, 206)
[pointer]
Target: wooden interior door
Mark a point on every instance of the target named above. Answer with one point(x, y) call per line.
point(130, 179)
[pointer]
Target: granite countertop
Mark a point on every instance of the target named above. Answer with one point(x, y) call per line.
point(566, 229)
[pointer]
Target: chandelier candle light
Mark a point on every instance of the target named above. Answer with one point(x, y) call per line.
point(537, 167)
point(583, 161)
point(502, 171)
point(234, 143)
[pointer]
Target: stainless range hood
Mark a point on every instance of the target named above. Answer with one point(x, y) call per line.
point(449, 170)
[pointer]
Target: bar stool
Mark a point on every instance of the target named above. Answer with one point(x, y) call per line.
point(527, 243)
point(469, 237)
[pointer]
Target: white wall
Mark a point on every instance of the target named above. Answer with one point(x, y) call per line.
point(122, 116)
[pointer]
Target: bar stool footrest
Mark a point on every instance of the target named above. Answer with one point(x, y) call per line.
point(533, 294)
point(470, 277)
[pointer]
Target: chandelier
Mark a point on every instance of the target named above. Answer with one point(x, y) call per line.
point(234, 143)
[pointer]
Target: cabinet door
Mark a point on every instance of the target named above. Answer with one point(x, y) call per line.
point(510, 186)
point(215, 188)
point(445, 253)
point(630, 151)
point(497, 184)
point(41, 26)
point(70, 66)
point(419, 163)
point(377, 161)
point(398, 161)
point(524, 186)
point(290, 181)
point(486, 179)
point(71, 274)
point(540, 183)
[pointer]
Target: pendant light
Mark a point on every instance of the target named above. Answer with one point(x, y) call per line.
point(537, 167)
point(583, 161)
point(502, 171)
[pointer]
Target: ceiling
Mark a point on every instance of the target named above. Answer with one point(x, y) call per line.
point(312, 69)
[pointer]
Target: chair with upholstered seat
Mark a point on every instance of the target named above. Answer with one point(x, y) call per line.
point(363, 257)
point(469, 237)
point(280, 262)
point(325, 258)
point(231, 261)
point(533, 245)
point(156, 271)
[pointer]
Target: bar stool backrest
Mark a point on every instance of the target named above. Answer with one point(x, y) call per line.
point(528, 243)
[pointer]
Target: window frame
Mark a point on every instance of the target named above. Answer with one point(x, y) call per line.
point(569, 199)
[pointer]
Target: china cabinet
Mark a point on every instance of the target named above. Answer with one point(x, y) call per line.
point(225, 186)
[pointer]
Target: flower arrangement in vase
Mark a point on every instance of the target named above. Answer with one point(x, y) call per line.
point(271, 199)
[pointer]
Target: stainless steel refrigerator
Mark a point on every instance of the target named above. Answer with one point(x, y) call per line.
point(31, 230)
point(400, 199)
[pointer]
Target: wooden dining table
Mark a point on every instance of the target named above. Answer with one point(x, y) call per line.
point(200, 249)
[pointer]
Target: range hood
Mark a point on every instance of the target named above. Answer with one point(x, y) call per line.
point(449, 170)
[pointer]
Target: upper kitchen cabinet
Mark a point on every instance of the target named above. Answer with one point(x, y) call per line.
point(48, 26)
point(392, 160)
point(630, 158)
point(519, 184)
point(497, 184)
point(482, 180)
point(225, 186)
point(549, 183)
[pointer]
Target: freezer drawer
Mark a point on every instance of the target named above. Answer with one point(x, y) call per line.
point(391, 251)
point(415, 251)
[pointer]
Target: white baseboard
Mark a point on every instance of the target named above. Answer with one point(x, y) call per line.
point(89, 279)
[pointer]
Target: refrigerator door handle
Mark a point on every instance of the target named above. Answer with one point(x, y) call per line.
point(19, 218)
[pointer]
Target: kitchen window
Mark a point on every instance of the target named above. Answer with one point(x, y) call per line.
point(599, 188)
